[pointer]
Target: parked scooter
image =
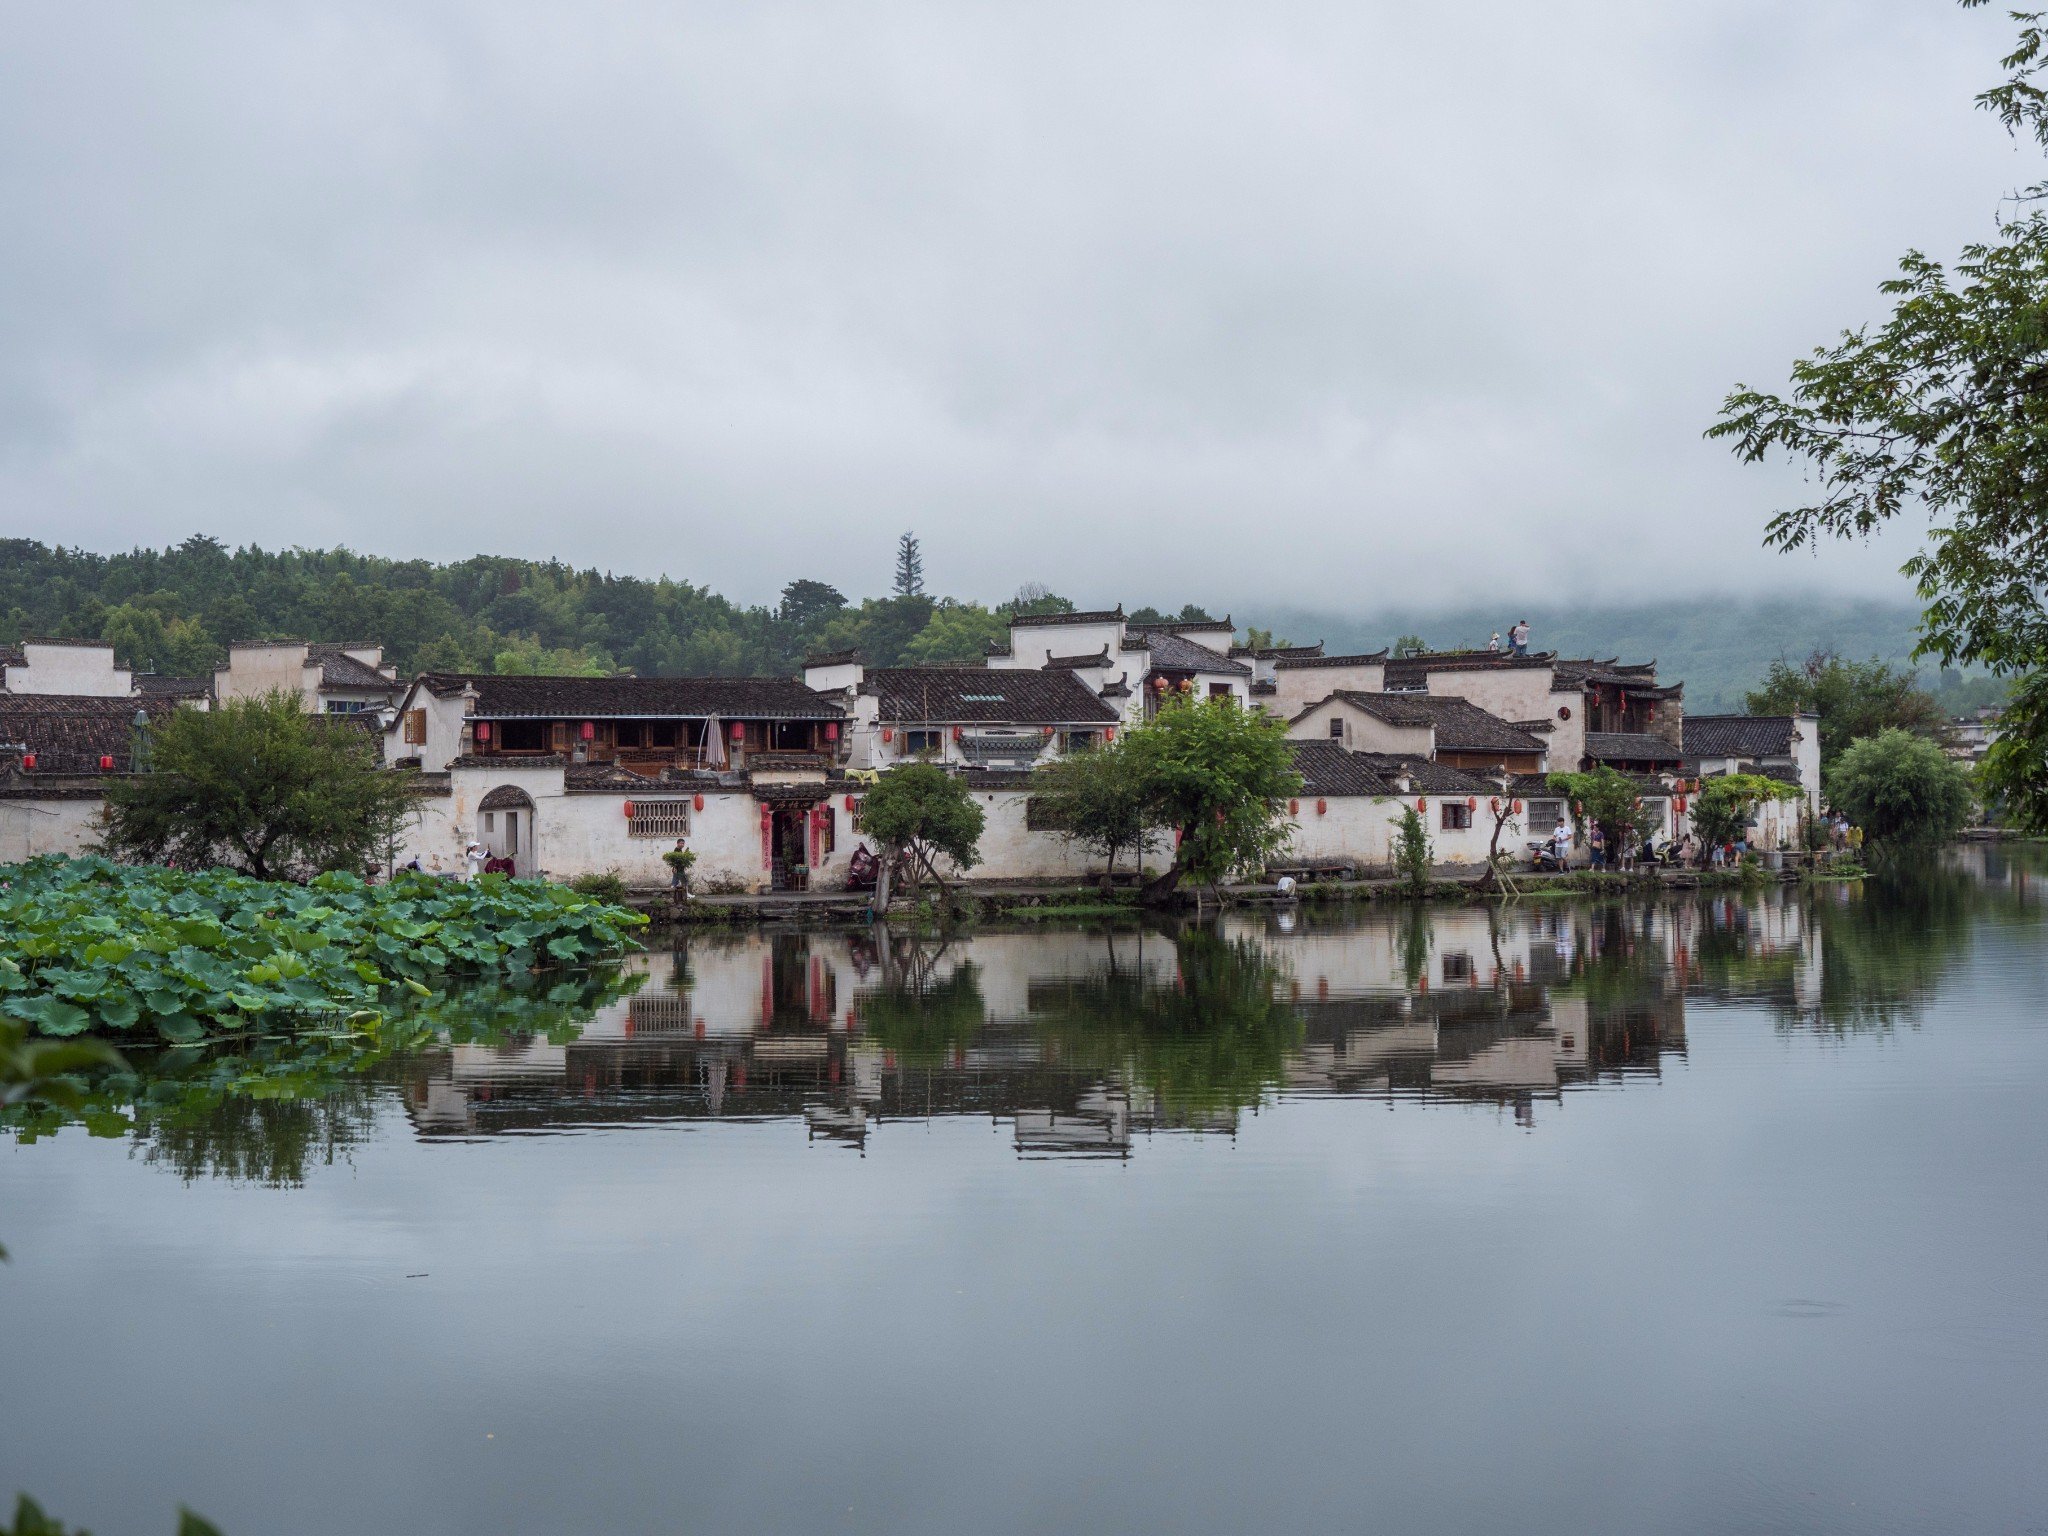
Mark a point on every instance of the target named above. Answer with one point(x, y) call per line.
point(1543, 859)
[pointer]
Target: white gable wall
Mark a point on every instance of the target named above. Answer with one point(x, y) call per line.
point(79, 670)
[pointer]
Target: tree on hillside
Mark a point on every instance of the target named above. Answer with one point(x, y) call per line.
point(257, 786)
point(1901, 789)
point(1218, 776)
point(807, 604)
point(1098, 800)
point(1853, 699)
point(909, 567)
point(1035, 597)
point(1942, 408)
point(921, 810)
point(956, 632)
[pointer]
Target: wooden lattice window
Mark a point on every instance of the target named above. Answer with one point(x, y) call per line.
point(659, 818)
point(1457, 815)
point(416, 727)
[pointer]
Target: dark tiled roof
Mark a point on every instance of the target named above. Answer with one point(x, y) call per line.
point(1414, 670)
point(648, 698)
point(1278, 652)
point(69, 733)
point(149, 685)
point(1172, 653)
point(833, 658)
point(1289, 661)
point(71, 640)
point(338, 669)
point(1328, 769)
point(1040, 620)
point(1629, 747)
point(1749, 736)
point(944, 695)
point(1098, 659)
point(1258, 689)
point(1461, 726)
point(982, 750)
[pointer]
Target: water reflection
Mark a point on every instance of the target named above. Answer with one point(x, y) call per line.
point(1083, 1043)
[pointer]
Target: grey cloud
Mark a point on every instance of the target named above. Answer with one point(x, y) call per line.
point(1308, 300)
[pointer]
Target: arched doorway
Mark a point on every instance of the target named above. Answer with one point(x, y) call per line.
point(506, 814)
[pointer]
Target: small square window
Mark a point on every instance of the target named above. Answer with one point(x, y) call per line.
point(1457, 815)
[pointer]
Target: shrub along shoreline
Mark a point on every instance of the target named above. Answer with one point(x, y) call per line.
point(88, 946)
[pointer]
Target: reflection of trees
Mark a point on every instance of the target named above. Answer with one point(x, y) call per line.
point(1884, 951)
point(1215, 1038)
point(266, 1110)
point(922, 1019)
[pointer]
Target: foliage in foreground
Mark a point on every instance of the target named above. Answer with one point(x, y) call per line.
point(90, 945)
point(924, 810)
point(1940, 409)
point(29, 1520)
point(1901, 789)
point(258, 786)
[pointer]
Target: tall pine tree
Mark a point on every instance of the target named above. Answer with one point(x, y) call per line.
point(909, 567)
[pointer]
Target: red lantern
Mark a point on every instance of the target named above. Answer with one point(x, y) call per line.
point(587, 730)
point(1294, 807)
point(1160, 683)
point(1564, 711)
point(887, 734)
point(629, 810)
point(1493, 804)
point(1322, 807)
point(738, 731)
point(831, 730)
point(1471, 802)
point(483, 730)
point(697, 802)
point(1422, 803)
point(958, 733)
point(1578, 809)
point(1680, 803)
point(28, 762)
point(106, 763)
point(1109, 733)
point(1518, 807)
point(1048, 732)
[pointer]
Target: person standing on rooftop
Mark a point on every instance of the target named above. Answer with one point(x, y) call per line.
point(1519, 637)
point(1493, 645)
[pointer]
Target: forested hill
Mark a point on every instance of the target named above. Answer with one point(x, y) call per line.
point(175, 610)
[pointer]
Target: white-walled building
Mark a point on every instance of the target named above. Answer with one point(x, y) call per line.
point(1128, 665)
point(72, 668)
point(328, 679)
point(1778, 746)
point(964, 717)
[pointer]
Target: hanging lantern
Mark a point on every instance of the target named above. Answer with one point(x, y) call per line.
point(483, 730)
point(1160, 683)
point(849, 805)
point(587, 730)
point(697, 802)
point(1471, 802)
point(1578, 809)
point(887, 734)
point(1109, 733)
point(106, 763)
point(1048, 733)
point(1493, 804)
point(831, 730)
point(1564, 711)
point(738, 731)
point(1518, 807)
point(1680, 803)
point(1294, 807)
point(959, 733)
point(1322, 807)
point(629, 810)
point(1422, 803)
point(28, 762)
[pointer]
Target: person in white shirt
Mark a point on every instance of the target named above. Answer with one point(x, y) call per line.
point(1519, 637)
point(473, 859)
point(1493, 645)
point(1561, 842)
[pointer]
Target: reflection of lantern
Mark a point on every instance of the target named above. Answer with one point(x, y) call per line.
point(1048, 732)
point(697, 802)
point(483, 730)
point(629, 810)
point(587, 730)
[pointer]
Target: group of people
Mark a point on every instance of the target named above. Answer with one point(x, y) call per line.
point(1518, 639)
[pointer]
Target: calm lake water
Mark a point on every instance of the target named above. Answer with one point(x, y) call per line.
point(1714, 1215)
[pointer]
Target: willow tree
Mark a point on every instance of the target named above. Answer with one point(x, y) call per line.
point(1943, 409)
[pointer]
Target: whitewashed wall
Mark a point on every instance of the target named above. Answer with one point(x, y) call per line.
point(79, 670)
point(1523, 693)
point(1297, 686)
point(1363, 732)
point(30, 828)
point(1362, 828)
point(253, 670)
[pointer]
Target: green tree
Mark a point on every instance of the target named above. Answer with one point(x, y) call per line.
point(1413, 856)
point(956, 632)
point(1943, 407)
point(1035, 597)
point(1852, 698)
point(1901, 788)
point(909, 567)
point(1219, 776)
point(1098, 800)
point(257, 786)
point(1410, 645)
point(1723, 809)
point(926, 812)
point(1609, 800)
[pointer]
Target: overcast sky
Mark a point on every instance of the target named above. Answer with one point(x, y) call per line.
point(1349, 302)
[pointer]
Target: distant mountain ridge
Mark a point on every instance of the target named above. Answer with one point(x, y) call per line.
point(1718, 647)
